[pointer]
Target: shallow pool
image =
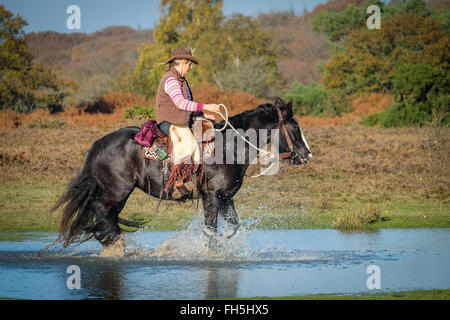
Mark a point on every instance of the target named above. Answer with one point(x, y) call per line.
point(254, 263)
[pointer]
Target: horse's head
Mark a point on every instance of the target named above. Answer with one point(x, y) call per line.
point(292, 143)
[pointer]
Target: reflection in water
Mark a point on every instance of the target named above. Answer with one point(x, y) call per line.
point(106, 284)
point(221, 283)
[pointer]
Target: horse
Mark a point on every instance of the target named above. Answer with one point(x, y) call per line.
point(115, 166)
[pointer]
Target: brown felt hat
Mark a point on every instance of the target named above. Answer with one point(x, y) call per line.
point(182, 53)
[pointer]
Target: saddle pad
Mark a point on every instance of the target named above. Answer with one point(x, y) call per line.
point(150, 153)
point(157, 151)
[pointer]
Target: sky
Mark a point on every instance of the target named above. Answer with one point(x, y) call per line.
point(43, 15)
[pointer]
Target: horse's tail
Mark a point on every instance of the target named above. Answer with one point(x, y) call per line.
point(78, 216)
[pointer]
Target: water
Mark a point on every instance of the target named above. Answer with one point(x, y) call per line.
point(254, 263)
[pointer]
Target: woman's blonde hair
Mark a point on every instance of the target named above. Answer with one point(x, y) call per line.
point(175, 62)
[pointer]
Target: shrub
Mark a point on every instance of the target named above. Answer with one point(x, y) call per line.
point(398, 115)
point(404, 115)
point(140, 113)
point(420, 82)
point(358, 219)
point(421, 92)
point(316, 100)
point(45, 123)
point(372, 119)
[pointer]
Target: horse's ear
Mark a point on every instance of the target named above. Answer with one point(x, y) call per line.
point(289, 111)
point(289, 105)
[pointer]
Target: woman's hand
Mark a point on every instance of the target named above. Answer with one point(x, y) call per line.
point(209, 116)
point(210, 108)
point(213, 108)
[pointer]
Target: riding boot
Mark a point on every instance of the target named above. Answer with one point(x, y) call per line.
point(182, 175)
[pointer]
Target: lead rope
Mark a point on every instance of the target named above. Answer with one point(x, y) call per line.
point(265, 153)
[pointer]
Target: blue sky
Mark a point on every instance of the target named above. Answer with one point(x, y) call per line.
point(44, 15)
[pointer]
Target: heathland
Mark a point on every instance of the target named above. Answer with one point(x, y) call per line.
point(359, 178)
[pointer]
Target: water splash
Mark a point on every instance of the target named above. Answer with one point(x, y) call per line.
point(193, 245)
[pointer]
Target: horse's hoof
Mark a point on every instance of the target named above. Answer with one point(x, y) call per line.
point(233, 232)
point(115, 249)
point(209, 232)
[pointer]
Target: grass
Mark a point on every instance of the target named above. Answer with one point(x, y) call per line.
point(26, 207)
point(396, 177)
point(435, 294)
point(359, 219)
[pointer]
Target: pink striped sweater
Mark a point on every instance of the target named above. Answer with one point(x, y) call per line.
point(173, 89)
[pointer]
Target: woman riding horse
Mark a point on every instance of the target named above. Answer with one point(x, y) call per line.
point(115, 167)
point(174, 105)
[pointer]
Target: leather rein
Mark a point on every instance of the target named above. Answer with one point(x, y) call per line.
point(281, 124)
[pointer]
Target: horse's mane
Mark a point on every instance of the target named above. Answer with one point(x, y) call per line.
point(245, 117)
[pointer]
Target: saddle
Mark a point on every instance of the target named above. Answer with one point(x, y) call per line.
point(182, 179)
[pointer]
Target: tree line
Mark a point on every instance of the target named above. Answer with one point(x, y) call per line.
point(234, 52)
point(25, 86)
point(408, 58)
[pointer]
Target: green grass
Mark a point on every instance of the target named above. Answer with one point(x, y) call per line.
point(26, 207)
point(435, 294)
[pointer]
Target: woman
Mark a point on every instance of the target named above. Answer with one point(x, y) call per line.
point(174, 104)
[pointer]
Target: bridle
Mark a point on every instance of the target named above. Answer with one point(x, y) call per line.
point(281, 124)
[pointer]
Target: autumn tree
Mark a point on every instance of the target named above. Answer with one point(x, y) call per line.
point(23, 86)
point(221, 44)
point(337, 24)
point(413, 40)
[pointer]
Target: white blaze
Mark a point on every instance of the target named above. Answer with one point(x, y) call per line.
point(303, 136)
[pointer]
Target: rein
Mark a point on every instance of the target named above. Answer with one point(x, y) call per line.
point(227, 123)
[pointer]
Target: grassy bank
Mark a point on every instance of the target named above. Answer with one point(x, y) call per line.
point(435, 294)
point(398, 178)
point(26, 207)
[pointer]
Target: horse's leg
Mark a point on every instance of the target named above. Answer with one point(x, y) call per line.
point(211, 208)
point(228, 212)
point(107, 230)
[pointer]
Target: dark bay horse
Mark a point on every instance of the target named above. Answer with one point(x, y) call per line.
point(115, 166)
